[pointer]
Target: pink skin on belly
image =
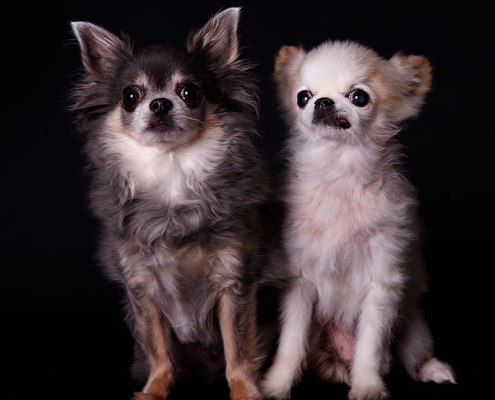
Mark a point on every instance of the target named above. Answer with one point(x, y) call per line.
point(342, 340)
point(337, 338)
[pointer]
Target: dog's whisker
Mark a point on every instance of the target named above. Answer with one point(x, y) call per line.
point(196, 120)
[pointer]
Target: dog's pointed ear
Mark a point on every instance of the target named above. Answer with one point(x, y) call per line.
point(286, 74)
point(417, 73)
point(100, 49)
point(415, 77)
point(287, 63)
point(218, 37)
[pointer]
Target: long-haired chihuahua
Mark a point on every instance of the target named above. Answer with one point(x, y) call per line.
point(352, 233)
point(179, 188)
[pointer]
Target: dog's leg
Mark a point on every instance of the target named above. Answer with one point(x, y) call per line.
point(415, 350)
point(372, 354)
point(153, 330)
point(238, 329)
point(297, 309)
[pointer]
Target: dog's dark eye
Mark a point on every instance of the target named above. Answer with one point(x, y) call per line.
point(191, 94)
point(359, 97)
point(303, 98)
point(131, 98)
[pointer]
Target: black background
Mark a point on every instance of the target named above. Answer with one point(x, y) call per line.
point(62, 335)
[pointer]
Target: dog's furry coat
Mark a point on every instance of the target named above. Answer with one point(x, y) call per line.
point(179, 189)
point(351, 233)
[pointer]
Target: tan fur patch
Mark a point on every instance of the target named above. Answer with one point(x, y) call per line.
point(422, 65)
point(239, 354)
point(142, 80)
point(114, 124)
point(239, 391)
point(287, 61)
point(159, 385)
point(285, 77)
point(226, 327)
point(283, 56)
point(211, 119)
point(194, 258)
point(154, 333)
point(145, 396)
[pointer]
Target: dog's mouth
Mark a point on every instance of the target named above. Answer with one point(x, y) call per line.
point(162, 125)
point(331, 119)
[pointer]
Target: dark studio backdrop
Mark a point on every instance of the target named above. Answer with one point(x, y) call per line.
point(62, 334)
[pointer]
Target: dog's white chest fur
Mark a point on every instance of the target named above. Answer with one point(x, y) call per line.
point(163, 176)
point(341, 226)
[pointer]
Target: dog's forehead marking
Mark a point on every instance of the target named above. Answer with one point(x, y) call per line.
point(177, 77)
point(171, 83)
point(157, 90)
point(142, 79)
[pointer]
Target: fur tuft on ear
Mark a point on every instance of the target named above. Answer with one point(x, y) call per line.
point(218, 37)
point(99, 48)
point(287, 62)
point(285, 76)
point(413, 82)
point(417, 72)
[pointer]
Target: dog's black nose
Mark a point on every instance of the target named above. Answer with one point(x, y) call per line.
point(323, 103)
point(161, 106)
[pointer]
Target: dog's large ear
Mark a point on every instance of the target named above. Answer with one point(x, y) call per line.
point(100, 49)
point(415, 79)
point(287, 63)
point(218, 37)
point(286, 74)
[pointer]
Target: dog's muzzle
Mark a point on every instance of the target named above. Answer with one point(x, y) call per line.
point(161, 120)
point(326, 114)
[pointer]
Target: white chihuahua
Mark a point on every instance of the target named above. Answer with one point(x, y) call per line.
point(352, 231)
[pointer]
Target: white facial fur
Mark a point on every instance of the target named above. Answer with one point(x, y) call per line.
point(160, 164)
point(347, 71)
point(396, 89)
point(157, 173)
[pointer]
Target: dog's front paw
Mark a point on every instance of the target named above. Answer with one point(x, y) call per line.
point(375, 391)
point(146, 396)
point(436, 371)
point(244, 390)
point(276, 385)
